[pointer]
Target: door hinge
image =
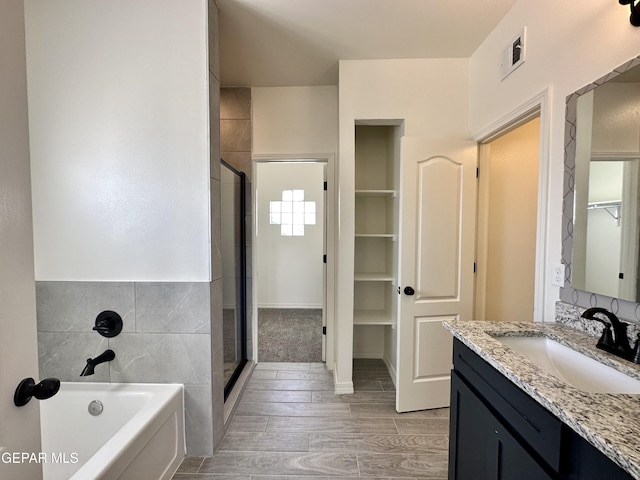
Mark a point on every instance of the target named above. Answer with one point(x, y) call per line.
point(325, 185)
point(477, 172)
point(324, 330)
point(475, 267)
point(324, 258)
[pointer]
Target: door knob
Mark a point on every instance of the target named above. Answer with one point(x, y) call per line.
point(409, 291)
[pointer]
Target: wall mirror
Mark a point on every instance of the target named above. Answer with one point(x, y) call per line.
point(601, 228)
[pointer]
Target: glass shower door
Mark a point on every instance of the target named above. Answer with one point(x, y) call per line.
point(233, 274)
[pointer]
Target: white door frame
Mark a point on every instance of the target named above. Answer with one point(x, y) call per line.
point(330, 235)
point(540, 105)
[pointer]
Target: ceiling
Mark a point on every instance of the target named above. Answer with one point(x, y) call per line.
point(299, 42)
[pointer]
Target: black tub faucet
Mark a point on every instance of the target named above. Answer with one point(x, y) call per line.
point(618, 343)
point(107, 356)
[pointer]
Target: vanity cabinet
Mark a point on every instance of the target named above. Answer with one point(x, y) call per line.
point(498, 432)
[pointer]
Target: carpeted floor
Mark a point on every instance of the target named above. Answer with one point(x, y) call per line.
point(289, 335)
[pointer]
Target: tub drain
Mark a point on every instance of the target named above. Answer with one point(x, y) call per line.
point(95, 407)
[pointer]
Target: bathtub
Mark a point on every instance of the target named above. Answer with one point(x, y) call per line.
point(138, 435)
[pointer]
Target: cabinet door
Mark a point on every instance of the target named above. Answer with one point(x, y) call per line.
point(481, 448)
point(470, 449)
point(512, 461)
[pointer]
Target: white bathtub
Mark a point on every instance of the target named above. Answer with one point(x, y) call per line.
point(138, 435)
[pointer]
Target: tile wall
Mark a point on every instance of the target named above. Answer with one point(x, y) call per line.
point(235, 149)
point(166, 338)
point(216, 391)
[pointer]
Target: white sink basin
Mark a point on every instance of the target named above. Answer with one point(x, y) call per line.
point(574, 368)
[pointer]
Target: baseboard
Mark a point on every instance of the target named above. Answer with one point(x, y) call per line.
point(341, 388)
point(390, 368)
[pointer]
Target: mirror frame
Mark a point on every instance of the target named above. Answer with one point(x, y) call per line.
point(623, 308)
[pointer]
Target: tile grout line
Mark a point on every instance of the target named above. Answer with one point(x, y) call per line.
point(200, 466)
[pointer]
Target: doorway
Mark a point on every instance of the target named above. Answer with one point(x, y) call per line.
point(507, 224)
point(289, 252)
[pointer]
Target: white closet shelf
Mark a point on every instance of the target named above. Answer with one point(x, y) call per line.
point(373, 277)
point(375, 235)
point(372, 317)
point(376, 193)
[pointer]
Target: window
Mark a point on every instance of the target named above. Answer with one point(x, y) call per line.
point(292, 213)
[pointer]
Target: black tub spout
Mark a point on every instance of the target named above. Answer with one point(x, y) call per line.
point(107, 356)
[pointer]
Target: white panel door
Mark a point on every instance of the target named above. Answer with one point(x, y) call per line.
point(437, 229)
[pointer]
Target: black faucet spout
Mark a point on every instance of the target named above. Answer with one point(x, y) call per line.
point(89, 368)
point(620, 345)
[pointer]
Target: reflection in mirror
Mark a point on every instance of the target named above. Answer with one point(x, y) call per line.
point(233, 244)
point(606, 148)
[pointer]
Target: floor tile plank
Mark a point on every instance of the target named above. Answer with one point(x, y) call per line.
point(259, 384)
point(424, 426)
point(350, 442)
point(389, 410)
point(293, 409)
point(265, 442)
point(248, 424)
point(356, 397)
point(200, 476)
point(402, 465)
point(332, 425)
point(281, 463)
point(278, 396)
point(264, 374)
point(316, 375)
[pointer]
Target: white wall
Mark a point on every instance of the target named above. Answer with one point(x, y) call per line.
point(118, 118)
point(431, 96)
point(569, 44)
point(20, 431)
point(289, 268)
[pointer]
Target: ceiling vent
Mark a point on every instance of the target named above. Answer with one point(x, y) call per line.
point(513, 54)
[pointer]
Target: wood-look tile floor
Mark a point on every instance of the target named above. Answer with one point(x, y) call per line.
point(289, 424)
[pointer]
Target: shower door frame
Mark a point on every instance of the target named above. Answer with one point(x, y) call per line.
point(243, 282)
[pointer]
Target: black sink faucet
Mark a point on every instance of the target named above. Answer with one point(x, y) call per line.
point(618, 343)
point(107, 356)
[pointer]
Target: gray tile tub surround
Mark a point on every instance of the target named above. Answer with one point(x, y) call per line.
point(74, 306)
point(610, 422)
point(64, 355)
point(173, 307)
point(166, 339)
point(151, 307)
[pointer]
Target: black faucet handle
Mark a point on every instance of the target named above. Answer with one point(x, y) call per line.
point(636, 351)
point(606, 339)
point(108, 324)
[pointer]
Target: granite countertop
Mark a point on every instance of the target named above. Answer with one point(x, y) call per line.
point(610, 422)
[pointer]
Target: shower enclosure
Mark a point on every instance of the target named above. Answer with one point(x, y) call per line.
point(234, 268)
